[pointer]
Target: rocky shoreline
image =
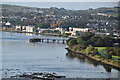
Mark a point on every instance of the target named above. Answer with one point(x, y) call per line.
point(43, 76)
point(62, 79)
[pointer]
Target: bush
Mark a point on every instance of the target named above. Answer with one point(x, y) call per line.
point(71, 42)
point(94, 52)
point(108, 56)
point(89, 50)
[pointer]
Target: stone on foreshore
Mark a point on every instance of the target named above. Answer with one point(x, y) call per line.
point(43, 76)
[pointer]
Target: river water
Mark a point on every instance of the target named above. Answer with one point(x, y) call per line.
point(20, 56)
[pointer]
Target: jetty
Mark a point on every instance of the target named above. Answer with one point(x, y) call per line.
point(48, 40)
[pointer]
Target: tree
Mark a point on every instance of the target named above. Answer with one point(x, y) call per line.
point(80, 41)
point(84, 39)
point(91, 50)
point(93, 40)
point(71, 42)
point(114, 50)
point(117, 51)
point(87, 36)
point(44, 25)
point(94, 52)
point(99, 42)
point(108, 41)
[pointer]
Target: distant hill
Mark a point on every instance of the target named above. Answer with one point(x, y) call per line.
point(22, 15)
point(7, 6)
point(107, 10)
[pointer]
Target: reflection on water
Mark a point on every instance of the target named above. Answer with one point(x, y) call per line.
point(20, 56)
point(83, 59)
point(107, 68)
point(28, 34)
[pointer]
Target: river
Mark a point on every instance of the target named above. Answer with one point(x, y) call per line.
point(20, 56)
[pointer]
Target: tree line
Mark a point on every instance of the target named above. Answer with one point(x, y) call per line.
point(89, 41)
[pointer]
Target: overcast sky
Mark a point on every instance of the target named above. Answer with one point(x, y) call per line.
point(60, 0)
point(67, 4)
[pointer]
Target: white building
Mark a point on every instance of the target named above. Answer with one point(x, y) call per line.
point(18, 28)
point(65, 17)
point(8, 23)
point(25, 28)
point(73, 31)
point(29, 29)
point(62, 30)
point(77, 31)
point(102, 14)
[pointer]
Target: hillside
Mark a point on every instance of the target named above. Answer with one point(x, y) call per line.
point(6, 6)
point(108, 10)
point(60, 17)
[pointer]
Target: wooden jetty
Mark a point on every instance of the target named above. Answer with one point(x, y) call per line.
point(47, 40)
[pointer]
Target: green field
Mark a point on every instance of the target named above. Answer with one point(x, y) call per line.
point(116, 57)
point(100, 48)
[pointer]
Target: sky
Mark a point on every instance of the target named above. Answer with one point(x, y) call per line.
point(60, 0)
point(66, 5)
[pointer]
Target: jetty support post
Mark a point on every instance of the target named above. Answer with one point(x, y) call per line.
point(63, 41)
point(53, 40)
point(42, 40)
point(39, 40)
point(47, 40)
point(58, 41)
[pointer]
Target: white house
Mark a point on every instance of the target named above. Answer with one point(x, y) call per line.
point(18, 28)
point(77, 31)
point(62, 30)
point(25, 28)
point(29, 29)
point(8, 23)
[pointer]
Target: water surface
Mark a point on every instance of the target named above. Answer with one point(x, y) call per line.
point(20, 56)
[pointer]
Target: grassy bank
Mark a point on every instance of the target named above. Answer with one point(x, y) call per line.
point(104, 49)
point(112, 63)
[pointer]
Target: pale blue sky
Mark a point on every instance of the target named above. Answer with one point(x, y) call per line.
point(66, 5)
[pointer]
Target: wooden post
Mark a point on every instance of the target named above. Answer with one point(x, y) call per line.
point(39, 40)
point(58, 41)
point(63, 41)
point(53, 40)
point(47, 40)
point(42, 40)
